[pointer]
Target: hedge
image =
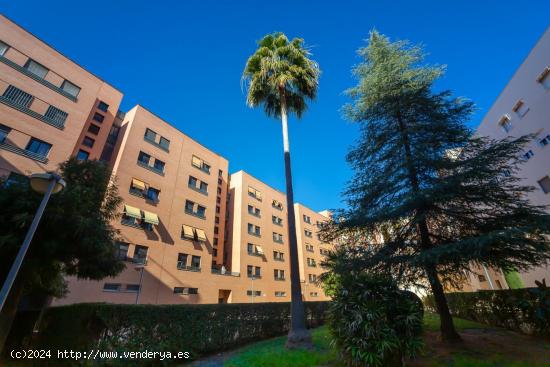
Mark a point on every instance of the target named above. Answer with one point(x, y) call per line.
point(198, 329)
point(526, 310)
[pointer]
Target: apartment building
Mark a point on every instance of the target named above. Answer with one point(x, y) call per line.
point(50, 107)
point(184, 238)
point(523, 107)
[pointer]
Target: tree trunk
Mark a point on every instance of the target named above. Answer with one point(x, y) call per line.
point(10, 309)
point(448, 331)
point(298, 336)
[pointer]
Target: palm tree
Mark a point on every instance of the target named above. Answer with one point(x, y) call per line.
point(280, 76)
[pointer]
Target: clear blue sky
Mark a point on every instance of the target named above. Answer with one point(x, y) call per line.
point(183, 60)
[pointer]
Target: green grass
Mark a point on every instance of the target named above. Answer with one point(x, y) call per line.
point(431, 322)
point(272, 353)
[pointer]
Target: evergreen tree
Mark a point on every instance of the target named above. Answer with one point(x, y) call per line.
point(440, 198)
point(75, 236)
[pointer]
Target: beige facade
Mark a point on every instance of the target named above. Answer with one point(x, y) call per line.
point(523, 107)
point(182, 240)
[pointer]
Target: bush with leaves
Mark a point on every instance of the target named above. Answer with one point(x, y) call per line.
point(372, 321)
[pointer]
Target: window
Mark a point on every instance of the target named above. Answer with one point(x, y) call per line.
point(277, 204)
point(89, 142)
point(481, 278)
point(278, 274)
point(112, 287)
point(313, 294)
point(56, 115)
point(253, 293)
point(277, 237)
point(307, 219)
point(121, 250)
point(150, 135)
point(18, 97)
point(196, 262)
point(308, 233)
point(3, 48)
point(159, 165)
point(253, 271)
point(520, 108)
point(93, 129)
point(276, 220)
point(140, 254)
point(144, 158)
point(16, 179)
point(134, 288)
point(70, 88)
point(544, 184)
point(195, 209)
point(182, 261)
point(543, 78)
point(200, 164)
point(165, 143)
point(545, 141)
point(152, 194)
point(250, 248)
point(311, 262)
point(254, 230)
point(38, 147)
point(309, 247)
point(102, 106)
point(528, 155)
point(323, 251)
point(279, 256)
point(197, 185)
point(254, 211)
point(220, 173)
point(280, 294)
point(4, 131)
point(185, 290)
point(505, 123)
point(82, 155)
point(37, 69)
point(98, 117)
point(252, 192)
point(312, 278)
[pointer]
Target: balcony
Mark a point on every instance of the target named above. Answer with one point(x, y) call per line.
point(23, 152)
point(226, 273)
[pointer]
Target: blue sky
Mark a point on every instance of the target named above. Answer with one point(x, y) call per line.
point(183, 60)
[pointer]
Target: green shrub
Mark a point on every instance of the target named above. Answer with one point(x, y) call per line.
point(198, 329)
point(373, 323)
point(526, 310)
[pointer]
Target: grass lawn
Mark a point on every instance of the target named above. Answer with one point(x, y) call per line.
point(483, 347)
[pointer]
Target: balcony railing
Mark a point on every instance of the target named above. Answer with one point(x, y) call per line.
point(23, 152)
point(183, 266)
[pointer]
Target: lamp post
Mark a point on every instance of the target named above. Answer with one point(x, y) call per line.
point(47, 184)
point(140, 269)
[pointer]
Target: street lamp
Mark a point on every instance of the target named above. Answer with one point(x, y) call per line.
point(47, 184)
point(139, 268)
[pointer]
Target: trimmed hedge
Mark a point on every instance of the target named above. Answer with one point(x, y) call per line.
point(526, 310)
point(198, 329)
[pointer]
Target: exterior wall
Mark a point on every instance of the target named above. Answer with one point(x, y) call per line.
point(29, 122)
point(311, 290)
point(527, 87)
point(237, 243)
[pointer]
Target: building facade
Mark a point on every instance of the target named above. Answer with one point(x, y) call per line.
point(523, 107)
point(189, 231)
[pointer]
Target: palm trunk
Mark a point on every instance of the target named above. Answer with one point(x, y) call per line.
point(447, 328)
point(298, 336)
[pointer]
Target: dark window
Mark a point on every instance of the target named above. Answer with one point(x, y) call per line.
point(82, 155)
point(93, 129)
point(16, 179)
point(150, 135)
point(203, 186)
point(153, 194)
point(17, 96)
point(178, 290)
point(220, 173)
point(189, 206)
point(196, 262)
point(89, 142)
point(144, 158)
point(121, 250)
point(201, 210)
point(37, 69)
point(102, 106)
point(98, 117)
point(112, 287)
point(159, 165)
point(132, 287)
point(4, 131)
point(39, 147)
point(193, 291)
point(140, 254)
point(165, 143)
point(56, 115)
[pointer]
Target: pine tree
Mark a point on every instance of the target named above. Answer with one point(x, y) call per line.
point(444, 198)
